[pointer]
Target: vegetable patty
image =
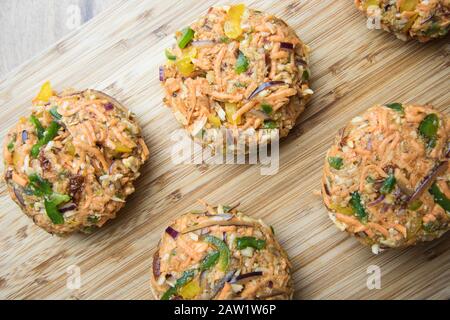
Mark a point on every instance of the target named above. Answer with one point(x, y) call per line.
point(423, 20)
point(237, 68)
point(386, 178)
point(71, 164)
point(219, 253)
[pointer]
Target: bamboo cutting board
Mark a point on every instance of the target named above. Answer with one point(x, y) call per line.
point(120, 51)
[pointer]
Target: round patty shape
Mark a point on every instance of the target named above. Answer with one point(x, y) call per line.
point(386, 178)
point(237, 68)
point(219, 253)
point(72, 163)
point(423, 20)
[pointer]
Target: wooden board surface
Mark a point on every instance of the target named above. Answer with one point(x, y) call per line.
point(119, 52)
point(34, 25)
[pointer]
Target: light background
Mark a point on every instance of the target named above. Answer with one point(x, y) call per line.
point(30, 26)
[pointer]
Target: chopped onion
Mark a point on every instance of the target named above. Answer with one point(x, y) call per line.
point(172, 232)
point(264, 86)
point(203, 43)
point(198, 126)
point(221, 113)
point(180, 118)
point(221, 217)
point(222, 282)
point(259, 114)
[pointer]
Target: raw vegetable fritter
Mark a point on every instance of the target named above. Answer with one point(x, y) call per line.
point(423, 20)
point(237, 68)
point(386, 178)
point(71, 164)
point(219, 253)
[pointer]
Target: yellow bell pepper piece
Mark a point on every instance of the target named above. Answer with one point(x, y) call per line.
point(215, 121)
point(408, 5)
point(232, 26)
point(230, 110)
point(70, 148)
point(371, 3)
point(190, 290)
point(185, 65)
point(46, 92)
point(344, 210)
point(190, 52)
point(121, 148)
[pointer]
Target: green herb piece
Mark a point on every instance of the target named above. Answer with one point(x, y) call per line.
point(54, 112)
point(396, 106)
point(428, 129)
point(245, 242)
point(226, 208)
point(240, 85)
point(430, 227)
point(185, 278)
point(358, 208)
point(187, 35)
point(369, 179)
point(305, 75)
point(48, 135)
point(51, 204)
point(224, 39)
point(10, 146)
point(170, 55)
point(53, 212)
point(388, 185)
point(415, 205)
point(270, 124)
point(241, 63)
point(224, 259)
point(93, 219)
point(266, 108)
point(272, 229)
point(40, 186)
point(439, 197)
point(37, 124)
point(335, 162)
point(209, 261)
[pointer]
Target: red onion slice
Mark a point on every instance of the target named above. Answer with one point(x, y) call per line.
point(376, 201)
point(24, 136)
point(286, 46)
point(428, 181)
point(19, 197)
point(264, 86)
point(172, 232)
point(67, 207)
point(248, 275)
point(156, 265)
point(109, 106)
point(161, 73)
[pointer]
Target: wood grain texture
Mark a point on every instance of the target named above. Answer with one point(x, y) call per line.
point(30, 26)
point(120, 51)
